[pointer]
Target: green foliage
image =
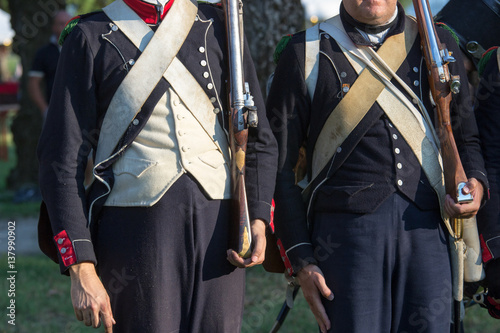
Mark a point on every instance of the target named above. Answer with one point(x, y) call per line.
point(8, 209)
point(405, 3)
point(82, 6)
point(87, 6)
point(4, 5)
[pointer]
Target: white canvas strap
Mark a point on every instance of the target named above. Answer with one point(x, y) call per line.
point(311, 59)
point(149, 68)
point(353, 107)
point(132, 26)
point(498, 57)
point(415, 128)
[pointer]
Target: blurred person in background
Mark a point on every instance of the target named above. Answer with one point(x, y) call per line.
point(476, 27)
point(487, 111)
point(43, 71)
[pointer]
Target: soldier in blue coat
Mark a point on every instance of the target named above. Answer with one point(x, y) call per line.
point(370, 246)
point(476, 42)
point(471, 33)
point(141, 85)
point(487, 110)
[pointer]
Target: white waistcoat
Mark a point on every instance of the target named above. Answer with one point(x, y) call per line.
point(171, 143)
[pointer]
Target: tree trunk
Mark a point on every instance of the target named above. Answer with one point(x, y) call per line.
point(31, 20)
point(265, 23)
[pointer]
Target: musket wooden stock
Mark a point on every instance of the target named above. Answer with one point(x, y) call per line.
point(239, 197)
point(440, 81)
point(238, 131)
point(454, 173)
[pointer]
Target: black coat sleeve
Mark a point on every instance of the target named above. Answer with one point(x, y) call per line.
point(487, 113)
point(288, 110)
point(67, 138)
point(262, 152)
point(464, 125)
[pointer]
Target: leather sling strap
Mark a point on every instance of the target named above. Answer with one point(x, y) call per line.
point(356, 103)
point(417, 132)
point(149, 68)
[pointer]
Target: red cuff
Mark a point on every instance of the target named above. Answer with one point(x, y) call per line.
point(65, 247)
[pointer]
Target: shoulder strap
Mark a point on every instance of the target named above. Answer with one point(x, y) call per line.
point(148, 69)
point(312, 59)
point(373, 85)
point(415, 127)
point(132, 26)
point(498, 57)
point(356, 103)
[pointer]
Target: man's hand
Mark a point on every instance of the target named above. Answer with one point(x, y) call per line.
point(90, 299)
point(465, 210)
point(258, 229)
point(313, 285)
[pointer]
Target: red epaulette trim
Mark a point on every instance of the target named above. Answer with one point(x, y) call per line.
point(65, 247)
point(271, 220)
point(494, 308)
point(284, 257)
point(490, 49)
point(77, 17)
point(487, 256)
point(74, 18)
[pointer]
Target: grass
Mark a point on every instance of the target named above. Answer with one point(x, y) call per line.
point(43, 303)
point(7, 208)
point(11, 211)
point(42, 298)
point(477, 320)
point(265, 294)
point(13, 62)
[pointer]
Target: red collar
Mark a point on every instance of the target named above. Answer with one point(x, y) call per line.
point(148, 11)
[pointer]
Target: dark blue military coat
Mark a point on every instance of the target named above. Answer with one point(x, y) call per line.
point(375, 161)
point(94, 61)
point(488, 120)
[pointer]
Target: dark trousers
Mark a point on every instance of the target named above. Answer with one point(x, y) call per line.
point(165, 266)
point(389, 270)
